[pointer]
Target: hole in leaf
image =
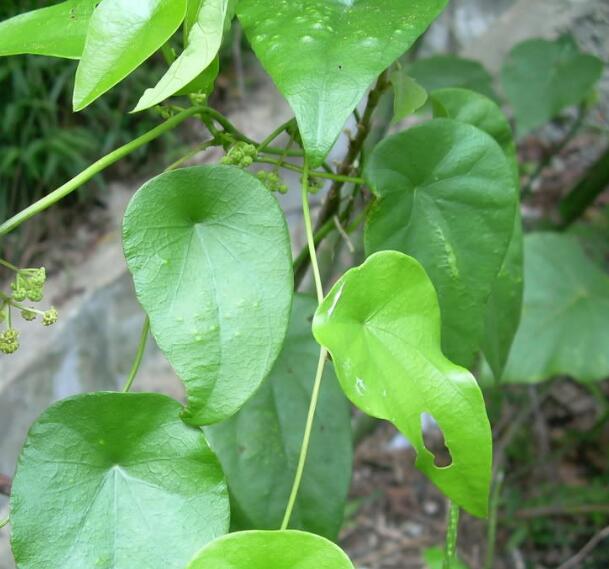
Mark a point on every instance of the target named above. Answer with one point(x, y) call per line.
point(433, 437)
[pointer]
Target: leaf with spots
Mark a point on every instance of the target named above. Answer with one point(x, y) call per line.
point(381, 323)
point(271, 550)
point(210, 255)
point(259, 446)
point(324, 54)
point(446, 196)
point(115, 480)
point(565, 313)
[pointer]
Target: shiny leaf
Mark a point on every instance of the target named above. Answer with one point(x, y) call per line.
point(324, 54)
point(381, 323)
point(259, 446)
point(564, 320)
point(446, 196)
point(409, 96)
point(271, 550)
point(505, 302)
point(115, 480)
point(210, 255)
point(57, 30)
point(542, 77)
point(204, 42)
point(122, 35)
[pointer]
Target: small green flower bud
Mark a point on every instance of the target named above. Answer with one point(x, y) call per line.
point(34, 294)
point(50, 317)
point(9, 341)
point(19, 292)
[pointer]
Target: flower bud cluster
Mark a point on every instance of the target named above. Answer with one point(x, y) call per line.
point(272, 180)
point(241, 155)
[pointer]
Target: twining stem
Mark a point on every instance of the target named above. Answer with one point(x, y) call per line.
point(95, 168)
point(4, 522)
point(450, 548)
point(491, 534)
point(192, 153)
point(271, 137)
point(139, 355)
point(9, 265)
point(315, 174)
point(323, 354)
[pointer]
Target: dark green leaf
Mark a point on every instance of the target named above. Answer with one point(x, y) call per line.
point(210, 255)
point(259, 446)
point(442, 71)
point(542, 77)
point(271, 550)
point(115, 480)
point(324, 54)
point(57, 30)
point(505, 301)
point(446, 196)
point(409, 96)
point(381, 323)
point(564, 320)
point(204, 42)
point(122, 35)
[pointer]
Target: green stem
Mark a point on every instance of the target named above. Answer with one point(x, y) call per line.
point(139, 355)
point(9, 265)
point(271, 137)
point(491, 535)
point(323, 354)
point(191, 153)
point(315, 174)
point(4, 522)
point(95, 168)
point(450, 549)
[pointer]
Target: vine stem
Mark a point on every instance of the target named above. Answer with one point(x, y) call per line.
point(94, 169)
point(326, 175)
point(4, 522)
point(323, 354)
point(138, 356)
point(450, 549)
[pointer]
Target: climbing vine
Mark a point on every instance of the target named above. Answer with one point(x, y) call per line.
point(253, 471)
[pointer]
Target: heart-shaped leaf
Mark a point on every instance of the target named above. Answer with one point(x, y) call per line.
point(259, 446)
point(59, 30)
point(381, 323)
point(408, 95)
point(564, 319)
point(271, 550)
point(324, 54)
point(210, 255)
point(115, 480)
point(542, 77)
point(446, 196)
point(204, 42)
point(122, 35)
point(441, 71)
point(505, 302)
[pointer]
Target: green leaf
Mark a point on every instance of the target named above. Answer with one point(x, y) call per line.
point(564, 320)
point(57, 30)
point(204, 42)
point(381, 323)
point(542, 77)
point(271, 550)
point(446, 196)
point(409, 96)
point(115, 480)
point(505, 302)
point(324, 54)
point(203, 83)
point(259, 446)
point(467, 106)
point(122, 35)
point(210, 255)
point(440, 71)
